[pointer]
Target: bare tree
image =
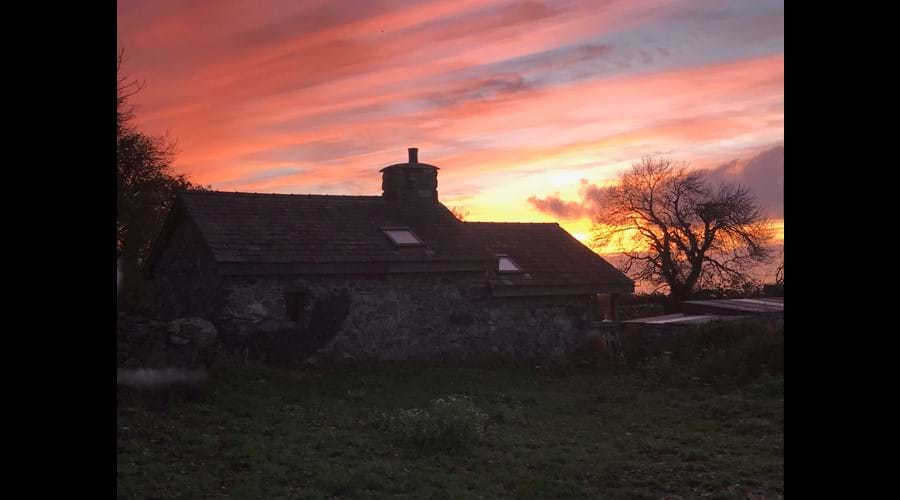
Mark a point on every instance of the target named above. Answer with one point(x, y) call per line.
point(460, 213)
point(680, 232)
point(125, 89)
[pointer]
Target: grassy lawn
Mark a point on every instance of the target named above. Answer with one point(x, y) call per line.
point(586, 433)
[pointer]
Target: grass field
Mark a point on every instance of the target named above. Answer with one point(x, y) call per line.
point(579, 433)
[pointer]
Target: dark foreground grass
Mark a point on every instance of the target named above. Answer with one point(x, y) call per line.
point(262, 433)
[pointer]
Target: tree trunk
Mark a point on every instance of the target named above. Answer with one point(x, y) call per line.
point(677, 295)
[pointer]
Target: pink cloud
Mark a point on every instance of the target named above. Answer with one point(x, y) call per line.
point(301, 95)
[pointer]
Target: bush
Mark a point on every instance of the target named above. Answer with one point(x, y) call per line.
point(451, 423)
point(727, 354)
point(326, 319)
point(697, 343)
point(747, 360)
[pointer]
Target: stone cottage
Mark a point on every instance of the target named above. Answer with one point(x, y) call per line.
point(391, 276)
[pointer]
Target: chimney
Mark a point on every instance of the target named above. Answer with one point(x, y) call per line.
point(410, 182)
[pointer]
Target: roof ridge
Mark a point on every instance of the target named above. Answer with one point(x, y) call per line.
point(308, 195)
point(513, 222)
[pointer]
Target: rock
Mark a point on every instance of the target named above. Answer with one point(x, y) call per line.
point(192, 342)
point(145, 342)
point(252, 312)
point(197, 331)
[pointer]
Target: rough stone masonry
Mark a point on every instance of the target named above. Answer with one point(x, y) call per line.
point(415, 316)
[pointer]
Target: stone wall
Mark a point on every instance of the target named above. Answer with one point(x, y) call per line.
point(410, 316)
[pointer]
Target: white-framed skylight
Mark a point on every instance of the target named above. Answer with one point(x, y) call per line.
point(506, 264)
point(402, 236)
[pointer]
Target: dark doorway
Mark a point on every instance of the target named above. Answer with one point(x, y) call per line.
point(294, 306)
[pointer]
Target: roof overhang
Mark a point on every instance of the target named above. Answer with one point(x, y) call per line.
point(327, 268)
point(545, 290)
point(411, 166)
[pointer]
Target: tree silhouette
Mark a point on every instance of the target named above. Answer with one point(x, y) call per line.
point(779, 272)
point(145, 180)
point(680, 232)
point(460, 213)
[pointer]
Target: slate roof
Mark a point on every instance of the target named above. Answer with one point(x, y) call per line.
point(548, 255)
point(283, 228)
point(280, 232)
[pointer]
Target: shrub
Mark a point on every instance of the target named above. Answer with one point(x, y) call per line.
point(728, 354)
point(326, 318)
point(746, 360)
point(451, 423)
point(710, 337)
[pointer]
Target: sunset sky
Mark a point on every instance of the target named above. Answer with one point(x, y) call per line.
point(525, 106)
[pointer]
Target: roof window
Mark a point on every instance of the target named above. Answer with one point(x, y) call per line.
point(402, 236)
point(507, 265)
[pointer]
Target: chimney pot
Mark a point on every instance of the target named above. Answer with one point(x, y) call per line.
point(410, 182)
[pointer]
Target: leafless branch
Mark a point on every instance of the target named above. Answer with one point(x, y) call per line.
point(687, 231)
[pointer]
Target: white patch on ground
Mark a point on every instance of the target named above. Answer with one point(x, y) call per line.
point(146, 378)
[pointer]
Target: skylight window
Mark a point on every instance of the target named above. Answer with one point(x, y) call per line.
point(402, 236)
point(507, 265)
